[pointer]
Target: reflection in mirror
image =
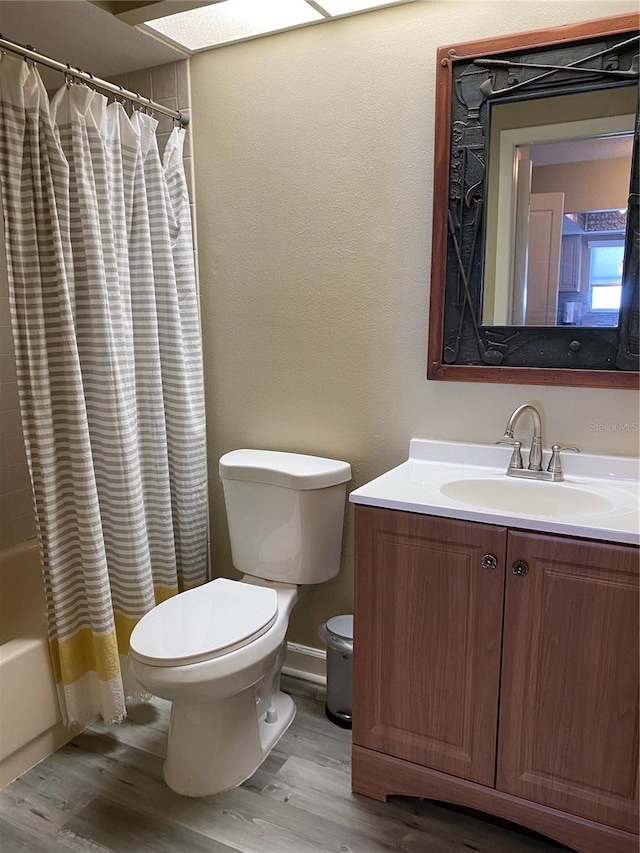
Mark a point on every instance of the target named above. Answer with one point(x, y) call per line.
point(531, 156)
point(557, 213)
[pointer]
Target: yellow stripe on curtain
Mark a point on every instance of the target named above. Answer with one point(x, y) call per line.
point(85, 652)
point(88, 652)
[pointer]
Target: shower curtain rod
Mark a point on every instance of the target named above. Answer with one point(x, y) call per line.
point(29, 53)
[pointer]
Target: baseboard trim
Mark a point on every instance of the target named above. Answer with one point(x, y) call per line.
point(306, 664)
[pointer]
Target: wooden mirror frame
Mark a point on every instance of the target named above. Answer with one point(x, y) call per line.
point(575, 343)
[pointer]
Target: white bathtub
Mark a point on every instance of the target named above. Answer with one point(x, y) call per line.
point(30, 721)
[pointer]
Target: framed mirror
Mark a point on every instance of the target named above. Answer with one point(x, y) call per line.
point(536, 240)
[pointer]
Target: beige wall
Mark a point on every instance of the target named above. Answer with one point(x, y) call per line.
point(313, 156)
point(587, 184)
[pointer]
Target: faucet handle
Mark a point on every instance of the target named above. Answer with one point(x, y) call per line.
point(555, 463)
point(516, 457)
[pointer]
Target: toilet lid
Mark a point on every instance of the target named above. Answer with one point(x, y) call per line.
point(204, 623)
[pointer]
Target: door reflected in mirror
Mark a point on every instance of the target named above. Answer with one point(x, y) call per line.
point(560, 169)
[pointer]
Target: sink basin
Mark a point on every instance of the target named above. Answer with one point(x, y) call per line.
point(527, 497)
point(598, 499)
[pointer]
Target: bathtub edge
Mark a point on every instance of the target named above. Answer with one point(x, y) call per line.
point(26, 757)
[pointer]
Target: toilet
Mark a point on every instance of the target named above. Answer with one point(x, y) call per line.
point(216, 651)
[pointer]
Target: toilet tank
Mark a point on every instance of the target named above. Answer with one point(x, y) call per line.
point(285, 513)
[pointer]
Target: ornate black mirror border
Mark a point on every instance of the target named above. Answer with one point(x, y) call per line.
point(460, 348)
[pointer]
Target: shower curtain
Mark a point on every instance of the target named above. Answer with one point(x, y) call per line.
point(105, 323)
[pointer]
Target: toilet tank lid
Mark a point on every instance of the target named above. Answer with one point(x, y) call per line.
point(291, 470)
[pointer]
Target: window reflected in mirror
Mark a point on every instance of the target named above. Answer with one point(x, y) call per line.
point(604, 283)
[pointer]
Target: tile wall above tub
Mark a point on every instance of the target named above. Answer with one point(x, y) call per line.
point(167, 85)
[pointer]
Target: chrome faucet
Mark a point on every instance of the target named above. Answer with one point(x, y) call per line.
point(533, 471)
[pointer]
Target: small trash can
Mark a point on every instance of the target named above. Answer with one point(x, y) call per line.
point(337, 633)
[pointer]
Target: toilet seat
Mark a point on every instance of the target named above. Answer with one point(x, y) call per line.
point(204, 623)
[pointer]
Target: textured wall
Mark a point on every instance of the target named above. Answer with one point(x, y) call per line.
point(313, 162)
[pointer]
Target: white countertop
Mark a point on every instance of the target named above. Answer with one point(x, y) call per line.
point(417, 486)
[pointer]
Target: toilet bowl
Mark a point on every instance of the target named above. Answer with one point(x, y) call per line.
point(216, 651)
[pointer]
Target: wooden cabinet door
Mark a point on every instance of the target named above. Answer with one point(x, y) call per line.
point(568, 730)
point(428, 622)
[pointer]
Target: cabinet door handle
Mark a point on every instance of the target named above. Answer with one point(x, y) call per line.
point(520, 568)
point(489, 562)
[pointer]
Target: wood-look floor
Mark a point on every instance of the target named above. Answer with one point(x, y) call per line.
point(104, 792)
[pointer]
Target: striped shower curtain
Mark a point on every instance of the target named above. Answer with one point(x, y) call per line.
point(105, 324)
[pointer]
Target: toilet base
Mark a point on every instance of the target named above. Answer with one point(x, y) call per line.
point(215, 746)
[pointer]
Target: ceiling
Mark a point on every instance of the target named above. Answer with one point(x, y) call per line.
point(576, 150)
point(82, 34)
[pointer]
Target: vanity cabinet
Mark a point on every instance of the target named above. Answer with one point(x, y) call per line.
point(512, 693)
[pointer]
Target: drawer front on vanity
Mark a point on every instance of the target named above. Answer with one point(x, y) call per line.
point(428, 623)
point(568, 730)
